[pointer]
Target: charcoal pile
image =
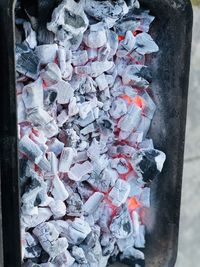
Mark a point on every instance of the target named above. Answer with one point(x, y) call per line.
point(84, 112)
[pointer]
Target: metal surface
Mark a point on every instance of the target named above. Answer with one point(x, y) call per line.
point(172, 30)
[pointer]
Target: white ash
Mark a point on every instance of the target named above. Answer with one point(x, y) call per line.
point(84, 113)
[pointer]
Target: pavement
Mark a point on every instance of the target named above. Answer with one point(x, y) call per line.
point(189, 236)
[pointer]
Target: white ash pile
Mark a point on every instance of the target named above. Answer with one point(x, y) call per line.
point(84, 113)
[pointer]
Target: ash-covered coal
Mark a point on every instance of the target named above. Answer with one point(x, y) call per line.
point(84, 112)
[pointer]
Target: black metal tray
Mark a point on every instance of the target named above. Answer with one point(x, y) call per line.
point(172, 30)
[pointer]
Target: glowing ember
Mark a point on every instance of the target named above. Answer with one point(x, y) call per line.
point(133, 204)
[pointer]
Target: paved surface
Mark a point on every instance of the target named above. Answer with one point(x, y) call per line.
point(189, 237)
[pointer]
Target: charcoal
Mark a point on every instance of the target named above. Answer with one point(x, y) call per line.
point(149, 164)
point(78, 231)
point(84, 112)
point(119, 193)
point(48, 237)
point(51, 75)
point(65, 259)
point(31, 248)
point(58, 208)
point(107, 10)
point(95, 37)
point(30, 35)
point(68, 20)
point(30, 221)
point(132, 77)
point(59, 191)
point(27, 63)
point(79, 170)
point(144, 44)
point(79, 255)
point(121, 226)
point(66, 159)
point(92, 203)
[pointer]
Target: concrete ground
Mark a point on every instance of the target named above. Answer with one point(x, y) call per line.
point(189, 237)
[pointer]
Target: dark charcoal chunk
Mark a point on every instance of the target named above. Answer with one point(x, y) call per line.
point(148, 165)
point(27, 62)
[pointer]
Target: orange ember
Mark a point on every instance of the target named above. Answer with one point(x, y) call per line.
point(138, 101)
point(127, 98)
point(121, 38)
point(133, 204)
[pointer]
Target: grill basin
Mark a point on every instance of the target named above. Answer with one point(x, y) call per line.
point(172, 30)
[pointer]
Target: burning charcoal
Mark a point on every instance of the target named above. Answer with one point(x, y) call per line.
point(121, 226)
point(78, 231)
point(145, 44)
point(113, 42)
point(62, 118)
point(108, 243)
point(118, 109)
point(61, 53)
point(65, 259)
point(131, 252)
point(102, 82)
point(79, 255)
point(59, 191)
point(31, 248)
point(131, 76)
point(39, 117)
point(98, 67)
point(120, 164)
point(95, 37)
point(88, 129)
point(58, 208)
point(30, 35)
point(135, 185)
point(55, 146)
point(92, 203)
point(27, 62)
point(79, 58)
point(129, 42)
point(119, 193)
point(148, 163)
point(144, 125)
point(73, 107)
point(48, 237)
point(148, 106)
point(33, 152)
point(21, 114)
point(30, 221)
point(68, 20)
point(129, 151)
point(74, 205)
point(140, 238)
point(46, 53)
point(92, 53)
point(65, 92)
point(53, 162)
point(79, 170)
point(51, 75)
point(102, 183)
point(123, 244)
point(129, 122)
point(87, 107)
point(88, 120)
point(145, 197)
point(29, 197)
point(66, 159)
point(106, 10)
point(33, 94)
